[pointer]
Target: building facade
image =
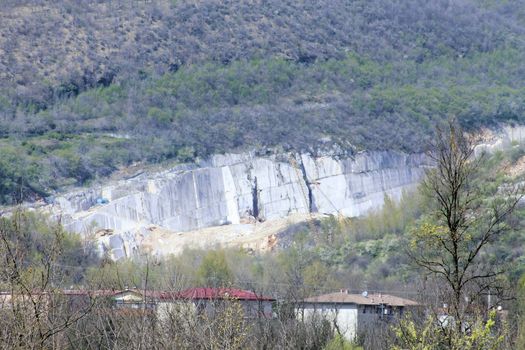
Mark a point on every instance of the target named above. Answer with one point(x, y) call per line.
point(354, 313)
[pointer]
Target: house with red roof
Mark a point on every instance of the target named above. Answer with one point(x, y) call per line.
point(203, 301)
point(200, 301)
point(207, 301)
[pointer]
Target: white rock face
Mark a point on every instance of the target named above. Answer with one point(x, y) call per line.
point(504, 137)
point(354, 186)
point(229, 188)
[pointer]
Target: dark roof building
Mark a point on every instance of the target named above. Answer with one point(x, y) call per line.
point(355, 313)
point(361, 299)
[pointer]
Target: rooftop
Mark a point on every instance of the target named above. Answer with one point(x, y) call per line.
point(360, 299)
point(197, 294)
point(221, 293)
point(157, 295)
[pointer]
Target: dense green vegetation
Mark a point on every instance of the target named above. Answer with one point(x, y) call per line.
point(55, 50)
point(177, 80)
point(200, 110)
point(33, 246)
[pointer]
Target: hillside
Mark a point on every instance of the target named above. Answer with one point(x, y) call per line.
point(88, 87)
point(58, 48)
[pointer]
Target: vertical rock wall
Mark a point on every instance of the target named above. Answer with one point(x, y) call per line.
point(229, 188)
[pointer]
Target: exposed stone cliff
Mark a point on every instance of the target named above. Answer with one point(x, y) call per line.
point(234, 189)
point(242, 189)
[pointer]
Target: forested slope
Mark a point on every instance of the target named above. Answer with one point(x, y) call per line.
point(87, 87)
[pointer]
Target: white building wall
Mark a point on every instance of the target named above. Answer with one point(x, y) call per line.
point(344, 315)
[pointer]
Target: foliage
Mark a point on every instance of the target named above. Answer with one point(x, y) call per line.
point(520, 319)
point(339, 343)
point(214, 269)
point(34, 255)
point(228, 329)
point(162, 35)
point(39, 242)
point(431, 336)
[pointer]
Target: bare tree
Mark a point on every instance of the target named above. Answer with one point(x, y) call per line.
point(451, 244)
point(34, 313)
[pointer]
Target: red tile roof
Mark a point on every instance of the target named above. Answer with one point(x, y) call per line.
point(221, 293)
